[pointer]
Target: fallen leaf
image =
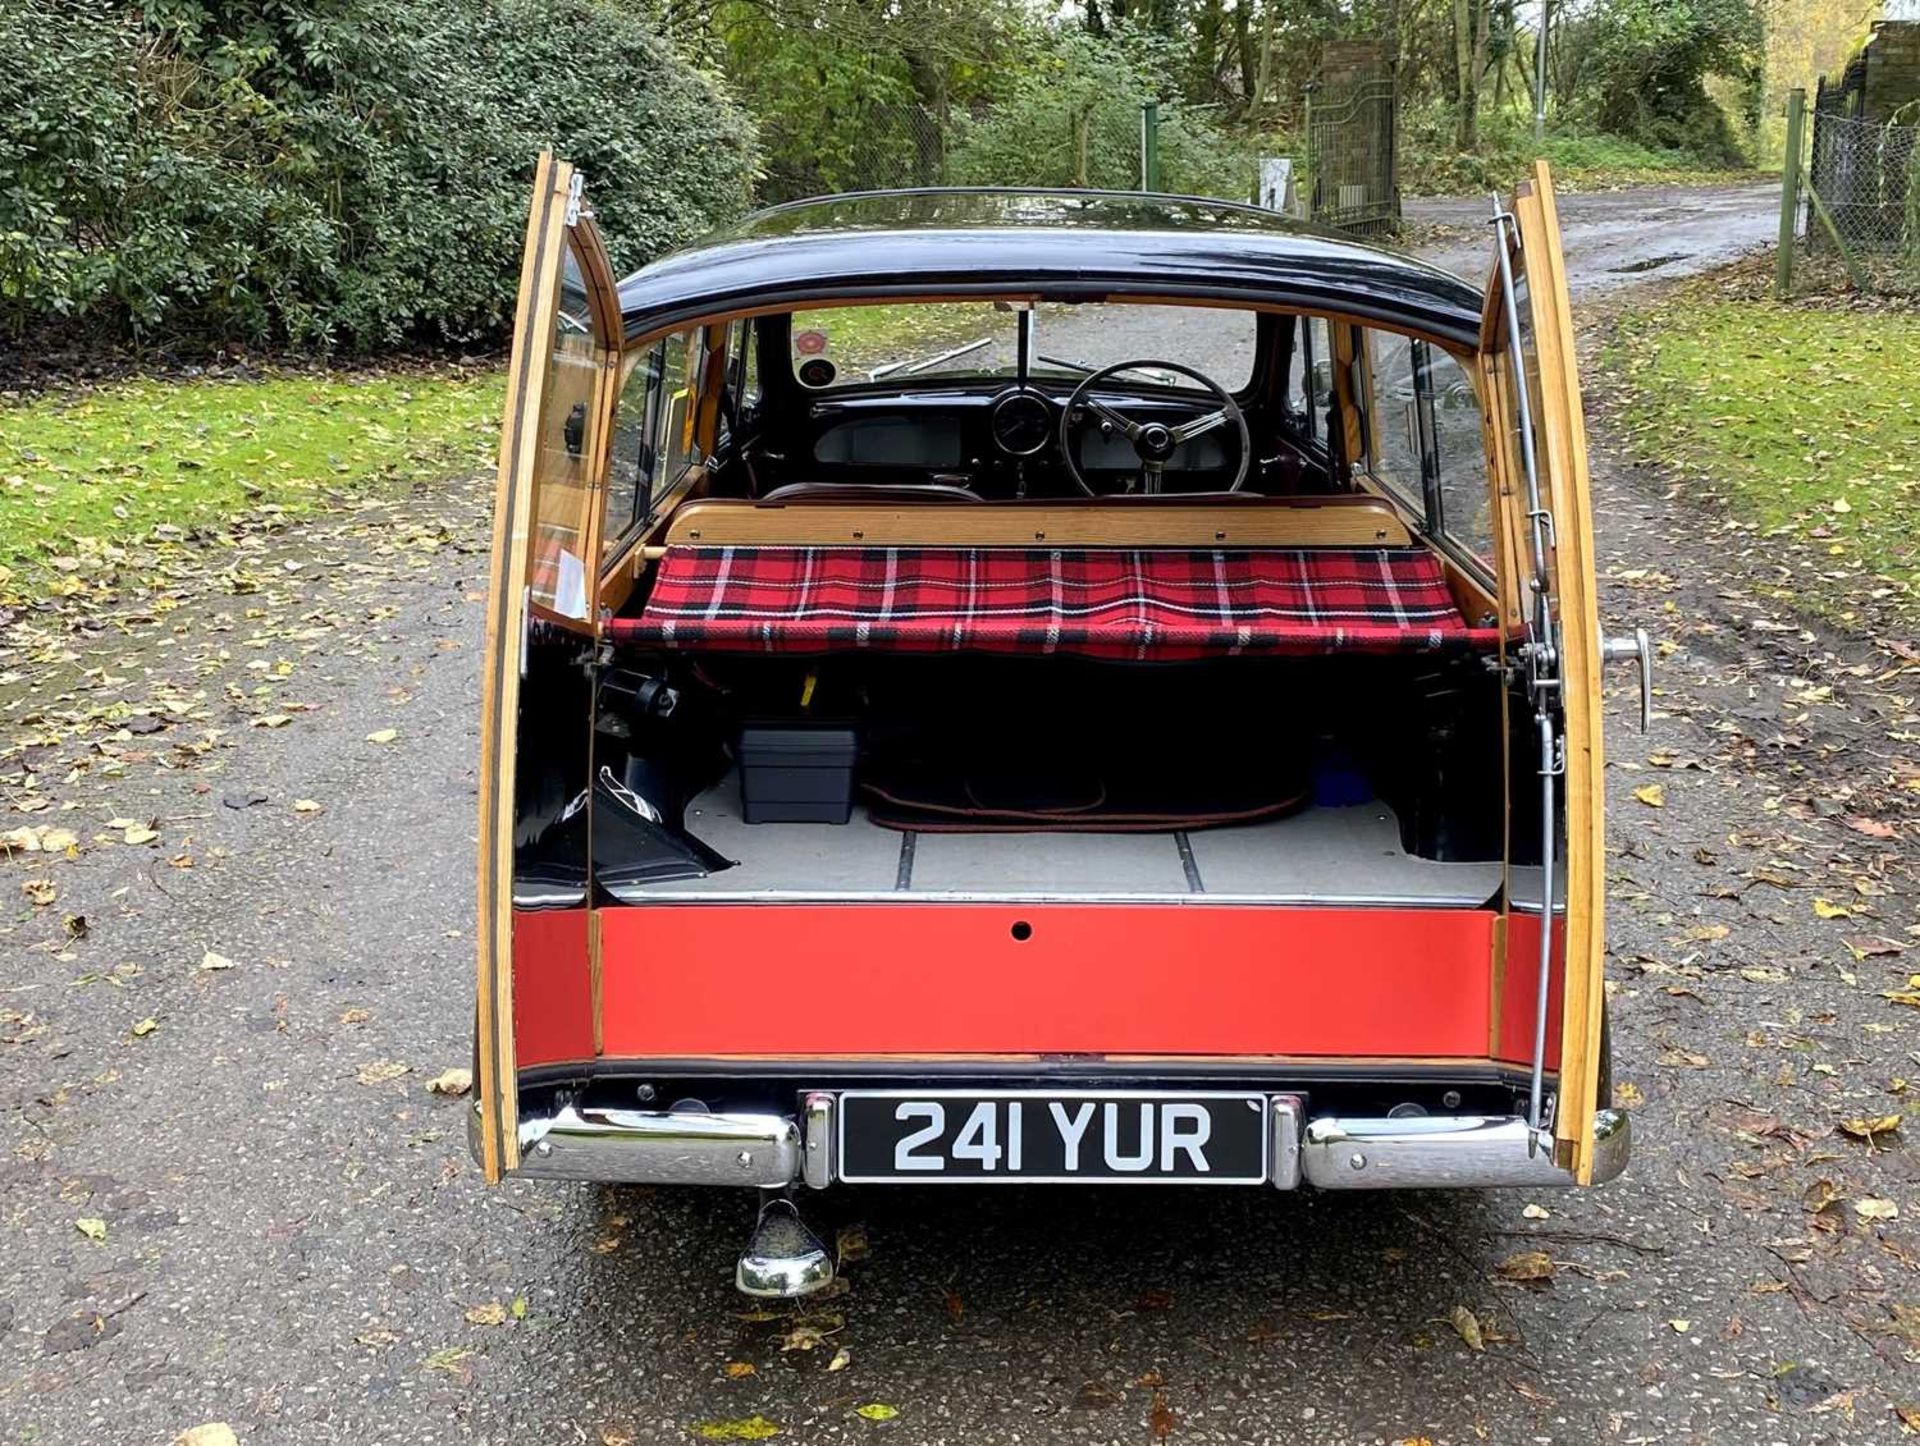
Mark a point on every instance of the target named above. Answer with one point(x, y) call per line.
point(1909, 1419)
point(381, 1070)
point(213, 962)
point(448, 1358)
point(842, 1358)
point(491, 1314)
point(754, 1428)
point(1537, 1212)
point(91, 1228)
point(145, 1027)
point(1467, 1325)
point(451, 1082)
point(1653, 795)
point(383, 735)
point(1866, 1129)
point(876, 1411)
point(1871, 946)
point(519, 1307)
point(1873, 828)
point(1820, 1195)
point(811, 1332)
point(850, 1244)
point(272, 720)
point(1160, 1418)
point(1827, 909)
point(40, 892)
point(213, 1433)
point(139, 833)
point(738, 1370)
point(1680, 1327)
point(1527, 1265)
point(1628, 1096)
point(307, 805)
point(1874, 1208)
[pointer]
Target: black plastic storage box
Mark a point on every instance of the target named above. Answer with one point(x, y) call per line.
point(796, 773)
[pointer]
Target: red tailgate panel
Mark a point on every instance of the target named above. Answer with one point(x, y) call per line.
point(690, 980)
point(1515, 1042)
point(552, 987)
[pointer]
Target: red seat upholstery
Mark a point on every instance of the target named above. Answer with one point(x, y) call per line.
point(1113, 603)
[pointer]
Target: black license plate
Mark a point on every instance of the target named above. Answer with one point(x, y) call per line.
point(1040, 1136)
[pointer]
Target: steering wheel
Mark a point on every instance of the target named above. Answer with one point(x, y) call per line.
point(1153, 441)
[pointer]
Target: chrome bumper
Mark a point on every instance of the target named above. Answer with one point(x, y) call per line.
point(772, 1151)
point(661, 1147)
point(1436, 1152)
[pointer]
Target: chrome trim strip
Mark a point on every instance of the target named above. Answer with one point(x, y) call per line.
point(1450, 1152)
point(639, 895)
point(1284, 1152)
point(661, 1147)
point(816, 1116)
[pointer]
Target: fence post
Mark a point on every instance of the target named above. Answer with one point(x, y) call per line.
point(1309, 159)
point(1150, 145)
point(1790, 190)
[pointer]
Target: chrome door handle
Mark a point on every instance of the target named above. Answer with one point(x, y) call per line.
point(1635, 649)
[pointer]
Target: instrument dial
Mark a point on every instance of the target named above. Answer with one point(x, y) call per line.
point(1022, 423)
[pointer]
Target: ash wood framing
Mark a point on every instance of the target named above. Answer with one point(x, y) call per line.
point(1563, 430)
point(1293, 523)
point(534, 319)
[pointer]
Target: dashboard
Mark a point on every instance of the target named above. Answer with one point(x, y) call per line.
point(1002, 442)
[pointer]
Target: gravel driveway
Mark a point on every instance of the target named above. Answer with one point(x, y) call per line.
point(228, 1195)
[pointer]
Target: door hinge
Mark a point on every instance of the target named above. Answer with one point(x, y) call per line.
point(575, 189)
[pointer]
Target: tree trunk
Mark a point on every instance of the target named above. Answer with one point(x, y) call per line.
point(1470, 35)
point(1263, 73)
point(1243, 41)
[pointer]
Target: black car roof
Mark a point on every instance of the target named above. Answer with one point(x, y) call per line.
point(1070, 245)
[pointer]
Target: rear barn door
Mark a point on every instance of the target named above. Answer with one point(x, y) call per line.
point(1547, 524)
point(540, 604)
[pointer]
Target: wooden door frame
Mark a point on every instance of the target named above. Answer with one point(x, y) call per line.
point(550, 230)
point(1561, 459)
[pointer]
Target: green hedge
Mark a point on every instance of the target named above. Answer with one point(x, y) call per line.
point(330, 174)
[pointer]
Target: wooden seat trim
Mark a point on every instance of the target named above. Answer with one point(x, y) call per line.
point(1273, 522)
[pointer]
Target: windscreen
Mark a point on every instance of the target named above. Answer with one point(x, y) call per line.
point(950, 339)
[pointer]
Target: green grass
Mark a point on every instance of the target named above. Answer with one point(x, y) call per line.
point(85, 473)
point(1806, 421)
point(859, 337)
point(1580, 163)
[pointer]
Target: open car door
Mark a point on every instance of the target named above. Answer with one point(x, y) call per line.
point(561, 379)
point(1547, 526)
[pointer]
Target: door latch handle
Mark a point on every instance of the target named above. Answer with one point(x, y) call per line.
point(1635, 649)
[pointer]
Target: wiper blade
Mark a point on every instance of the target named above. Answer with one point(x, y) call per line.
point(911, 368)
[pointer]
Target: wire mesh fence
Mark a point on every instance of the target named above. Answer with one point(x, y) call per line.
point(1858, 206)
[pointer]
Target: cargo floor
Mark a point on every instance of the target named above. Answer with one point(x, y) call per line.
point(1322, 855)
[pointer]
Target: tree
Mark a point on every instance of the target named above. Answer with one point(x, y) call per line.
point(1471, 26)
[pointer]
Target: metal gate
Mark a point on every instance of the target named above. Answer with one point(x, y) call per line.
point(1353, 180)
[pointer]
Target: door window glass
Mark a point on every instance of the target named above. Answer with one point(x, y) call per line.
point(679, 411)
point(743, 366)
point(1393, 432)
point(636, 424)
point(1310, 377)
point(1460, 453)
point(557, 576)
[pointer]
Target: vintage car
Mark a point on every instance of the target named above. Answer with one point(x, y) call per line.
point(988, 686)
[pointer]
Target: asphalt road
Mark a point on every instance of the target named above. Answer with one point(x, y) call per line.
point(1613, 238)
point(226, 1193)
